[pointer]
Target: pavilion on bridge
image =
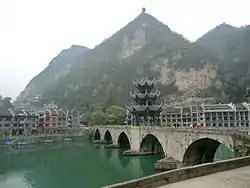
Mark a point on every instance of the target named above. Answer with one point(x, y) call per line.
point(144, 110)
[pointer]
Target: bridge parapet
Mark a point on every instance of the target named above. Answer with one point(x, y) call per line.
point(209, 130)
point(185, 173)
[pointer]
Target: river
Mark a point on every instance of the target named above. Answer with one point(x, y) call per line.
point(73, 165)
point(70, 165)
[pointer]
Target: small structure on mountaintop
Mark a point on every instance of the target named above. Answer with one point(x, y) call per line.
point(143, 9)
point(144, 110)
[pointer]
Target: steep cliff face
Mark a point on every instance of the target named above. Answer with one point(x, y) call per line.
point(57, 68)
point(145, 47)
point(232, 45)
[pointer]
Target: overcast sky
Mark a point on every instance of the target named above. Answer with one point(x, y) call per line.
point(32, 32)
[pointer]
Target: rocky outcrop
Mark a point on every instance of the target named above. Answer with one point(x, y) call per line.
point(132, 44)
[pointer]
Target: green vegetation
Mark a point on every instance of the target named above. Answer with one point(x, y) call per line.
point(5, 102)
point(103, 76)
point(232, 46)
point(101, 115)
point(247, 95)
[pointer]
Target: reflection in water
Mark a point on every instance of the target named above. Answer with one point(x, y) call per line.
point(117, 159)
point(97, 146)
point(108, 153)
point(135, 162)
point(223, 153)
point(70, 165)
point(124, 160)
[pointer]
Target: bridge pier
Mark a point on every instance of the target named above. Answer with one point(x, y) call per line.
point(135, 138)
point(167, 164)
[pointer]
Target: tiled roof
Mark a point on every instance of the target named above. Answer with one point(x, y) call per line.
point(175, 110)
point(18, 112)
point(186, 110)
point(61, 113)
point(217, 107)
point(240, 106)
point(27, 112)
point(53, 112)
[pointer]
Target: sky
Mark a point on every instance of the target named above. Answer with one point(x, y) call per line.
point(32, 32)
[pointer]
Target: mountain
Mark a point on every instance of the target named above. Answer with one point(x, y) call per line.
point(144, 47)
point(58, 67)
point(232, 46)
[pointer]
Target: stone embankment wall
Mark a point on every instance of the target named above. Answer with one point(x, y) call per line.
point(184, 173)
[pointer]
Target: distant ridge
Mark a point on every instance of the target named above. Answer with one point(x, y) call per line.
point(58, 65)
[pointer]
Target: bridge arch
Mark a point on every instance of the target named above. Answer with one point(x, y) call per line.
point(150, 143)
point(123, 141)
point(97, 135)
point(201, 151)
point(108, 137)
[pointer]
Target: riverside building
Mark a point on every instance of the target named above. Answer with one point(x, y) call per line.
point(213, 115)
point(5, 122)
point(26, 121)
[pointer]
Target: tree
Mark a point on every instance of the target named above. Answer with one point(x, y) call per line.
point(247, 95)
point(98, 118)
point(96, 107)
point(115, 115)
point(6, 102)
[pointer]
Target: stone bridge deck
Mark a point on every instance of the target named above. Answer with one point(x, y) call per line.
point(237, 178)
point(212, 130)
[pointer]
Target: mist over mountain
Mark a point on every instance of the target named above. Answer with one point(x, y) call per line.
point(58, 67)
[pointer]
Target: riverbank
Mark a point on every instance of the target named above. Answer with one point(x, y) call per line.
point(185, 173)
point(36, 139)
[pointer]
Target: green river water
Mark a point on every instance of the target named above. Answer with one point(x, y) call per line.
point(73, 165)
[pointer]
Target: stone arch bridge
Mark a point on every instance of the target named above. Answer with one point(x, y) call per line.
point(187, 145)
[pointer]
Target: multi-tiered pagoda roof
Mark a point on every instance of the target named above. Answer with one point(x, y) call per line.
point(145, 106)
point(144, 83)
point(152, 95)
